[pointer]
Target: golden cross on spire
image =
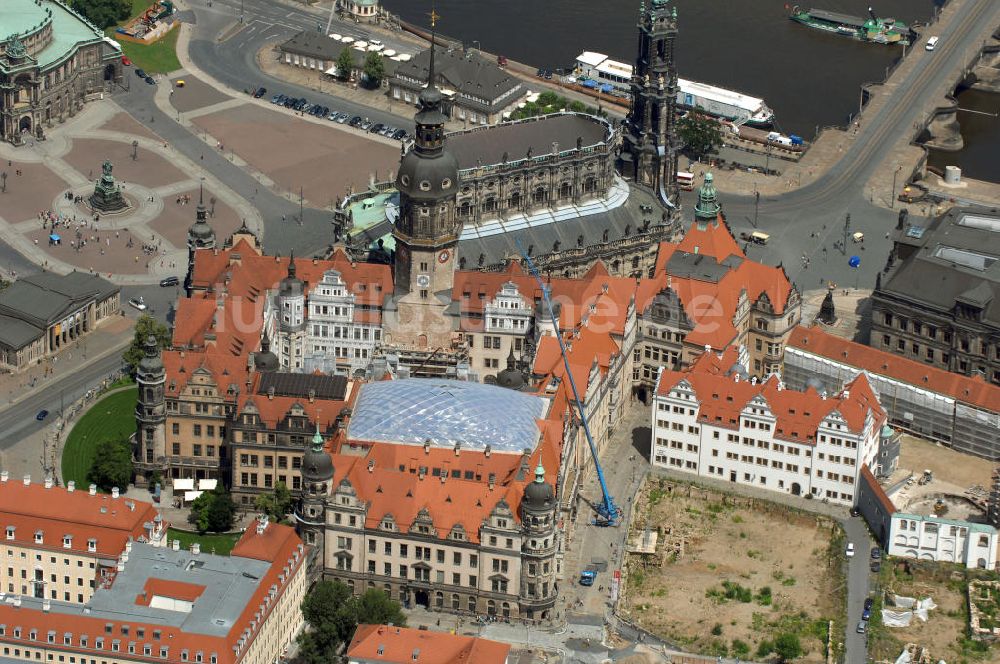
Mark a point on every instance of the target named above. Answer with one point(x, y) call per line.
point(434, 17)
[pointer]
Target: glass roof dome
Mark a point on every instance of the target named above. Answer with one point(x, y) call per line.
point(413, 411)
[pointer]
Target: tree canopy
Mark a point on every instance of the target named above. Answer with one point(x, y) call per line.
point(112, 466)
point(700, 133)
point(213, 511)
point(103, 13)
point(276, 504)
point(334, 613)
point(374, 68)
point(345, 63)
point(145, 325)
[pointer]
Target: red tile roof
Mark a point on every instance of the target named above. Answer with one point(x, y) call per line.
point(714, 240)
point(402, 645)
point(57, 512)
point(723, 398)
point(970, 390)
point(187, 592)
point(878, 491)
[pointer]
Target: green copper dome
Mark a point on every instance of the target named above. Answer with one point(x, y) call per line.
point(707, 208)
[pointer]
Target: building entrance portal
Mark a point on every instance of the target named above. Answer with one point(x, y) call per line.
point(796, 489)
point(421, 598)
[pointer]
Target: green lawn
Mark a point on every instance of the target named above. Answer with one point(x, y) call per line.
point(220, 544)
point(111, 418)
point(157, 58)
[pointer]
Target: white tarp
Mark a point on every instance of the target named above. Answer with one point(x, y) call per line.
point(189, 496)
point(923, 606)
point(904, 602)
point(904, 658)
point(183, 484)
point(896, 618)
point(207, 484)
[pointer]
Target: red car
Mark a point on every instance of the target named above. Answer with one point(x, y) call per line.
point(126, 61)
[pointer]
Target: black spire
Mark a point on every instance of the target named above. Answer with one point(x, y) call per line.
point(202, 215)
point(291, 265)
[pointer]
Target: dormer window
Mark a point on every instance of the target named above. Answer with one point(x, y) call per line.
point(92, 545)
point(67, 541)
point(39, 537)
point(10, 532)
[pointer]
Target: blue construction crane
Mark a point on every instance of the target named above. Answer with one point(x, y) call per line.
point(608, 513)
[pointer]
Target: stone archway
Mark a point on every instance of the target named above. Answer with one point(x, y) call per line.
point(796, 489)
point(24, 124)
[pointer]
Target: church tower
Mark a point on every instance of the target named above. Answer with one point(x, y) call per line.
point(649, 147)
point(150, 410)
point(317, 472)
point(427, 229)
point(200, 236)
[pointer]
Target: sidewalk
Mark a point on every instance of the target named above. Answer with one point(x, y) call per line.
point(111, 337)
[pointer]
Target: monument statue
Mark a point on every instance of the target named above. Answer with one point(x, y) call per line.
point(107, 197)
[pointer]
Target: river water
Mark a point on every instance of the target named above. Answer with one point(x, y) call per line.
point(810, 78)
point(981, 133)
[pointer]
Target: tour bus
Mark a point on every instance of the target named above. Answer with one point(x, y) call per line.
point(931, 43)
point(685, 180)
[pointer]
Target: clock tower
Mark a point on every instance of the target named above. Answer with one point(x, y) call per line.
point(427, 229)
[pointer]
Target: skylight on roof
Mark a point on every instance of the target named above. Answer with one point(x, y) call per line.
point(991, 224)
point(965, 258)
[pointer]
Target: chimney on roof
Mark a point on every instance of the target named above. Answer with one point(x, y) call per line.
point(27, 480)
point(70, 486)
point(195, 549)
point(427, 446)
point(487, 451)
point(92, 490)
point(371, 465)
point(114, 492)
point(262, 524)
point(46, 605)
point(822, 395)
point(4, 475)
point(492, 480)
point(847, 394)
point(416, 654)
point(315, 261)
point(175, 545)
point(753, 380)
point(48, 482)
point(270, 393)
point(736, 377)
point(458, 448)
point(312, 395)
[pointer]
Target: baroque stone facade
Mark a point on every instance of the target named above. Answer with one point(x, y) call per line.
point(45, 80)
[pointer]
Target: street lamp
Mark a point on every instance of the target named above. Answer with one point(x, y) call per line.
point(892, 196)
point(3, 177)
point(135, 149)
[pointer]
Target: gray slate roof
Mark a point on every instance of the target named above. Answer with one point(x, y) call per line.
point(466, 72)
point(314, 44)
point(44, 298)
point(935, 276)
point(16, 333)
point(486, 146)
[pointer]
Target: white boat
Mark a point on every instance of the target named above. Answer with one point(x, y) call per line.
point(616, 78)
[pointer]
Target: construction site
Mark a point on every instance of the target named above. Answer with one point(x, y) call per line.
point(705, 571)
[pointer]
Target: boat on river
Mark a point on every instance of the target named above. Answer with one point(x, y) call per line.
point(872, 29)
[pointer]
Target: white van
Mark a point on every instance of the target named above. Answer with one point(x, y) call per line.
point(931, 43)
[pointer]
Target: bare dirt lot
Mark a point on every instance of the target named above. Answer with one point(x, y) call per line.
point(944, 633)
point(963, 470)
point(747, 573)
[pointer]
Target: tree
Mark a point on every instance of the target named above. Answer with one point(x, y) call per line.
point(145, 325)
point(345, 64)
point(112, 465)
point(374, 69)
point(787, 647)
point(701, 134)
point(334, 613)
point(275, 504)
point(213, 511)
point(103, 13)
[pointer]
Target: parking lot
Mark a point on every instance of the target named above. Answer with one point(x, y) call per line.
point(303, 106)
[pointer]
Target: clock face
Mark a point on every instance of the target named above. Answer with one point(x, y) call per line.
point(443, 256)
point(423, 280)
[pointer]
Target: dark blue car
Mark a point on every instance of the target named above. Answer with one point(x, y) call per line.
point(42, 414)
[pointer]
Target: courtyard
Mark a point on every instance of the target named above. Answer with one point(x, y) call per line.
point(720, 581)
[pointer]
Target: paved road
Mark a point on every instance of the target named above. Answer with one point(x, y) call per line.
point(820, 207)
point(858, 574)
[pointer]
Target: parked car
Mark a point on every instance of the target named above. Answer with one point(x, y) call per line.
point(388, 130)
point(332, 116)
point(356, 121)
point(862, 627)
point(169, 281)
point(276, 99)
point(150, 81)
point(137, 302)
point(850, 549)
point(866, 614)
point(875, 566)
point(399, 134)
point(876, 553)
point(366, 124)
point(260, 93)
point(126, 62)
point(342, 118)
point(141, 73)
point(42, 414)
point(376, 128)
point(869, 603)
point(540, 73)
point(855, 511)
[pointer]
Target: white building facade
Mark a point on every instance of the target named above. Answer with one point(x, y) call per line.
point(729, 428)
point(945, 540)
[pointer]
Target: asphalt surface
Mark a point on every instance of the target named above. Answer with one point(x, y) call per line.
point(858, 575)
